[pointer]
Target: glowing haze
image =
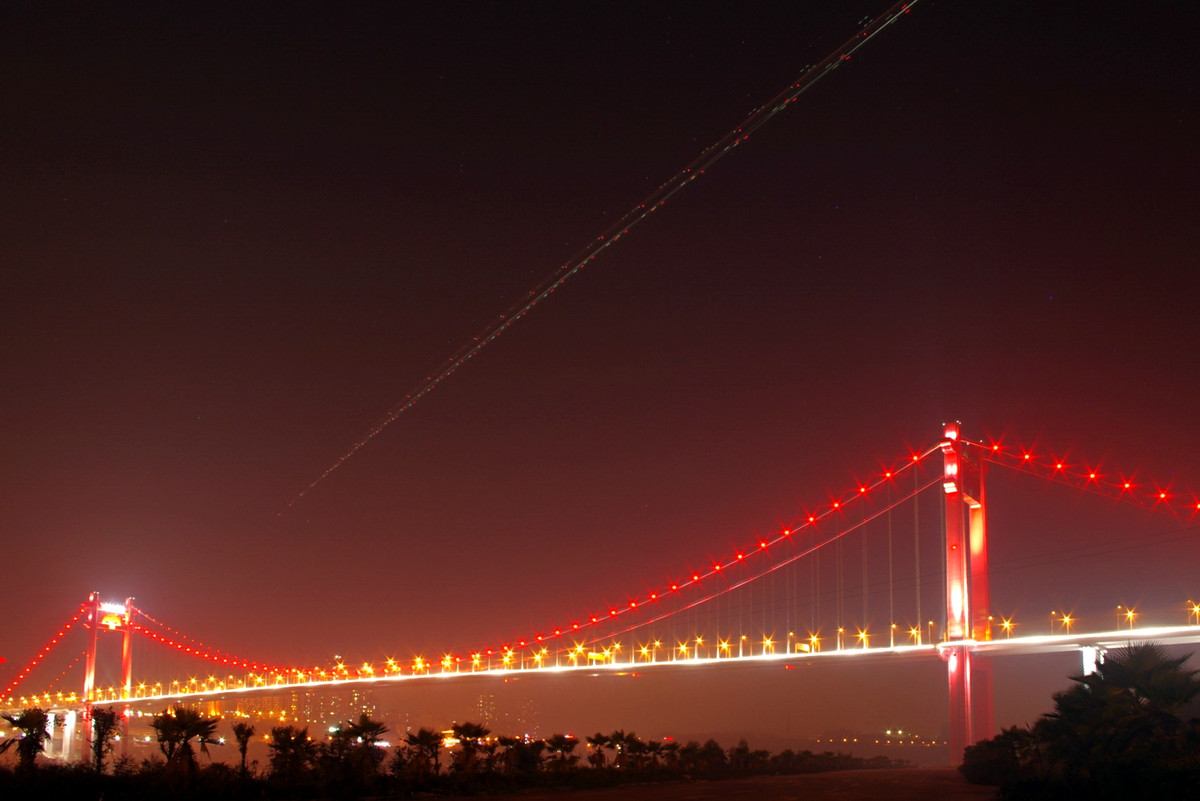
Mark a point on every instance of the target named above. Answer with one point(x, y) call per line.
point(233, 243)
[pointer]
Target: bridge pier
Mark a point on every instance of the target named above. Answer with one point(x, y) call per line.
point(60, 728)
point(1093, 657)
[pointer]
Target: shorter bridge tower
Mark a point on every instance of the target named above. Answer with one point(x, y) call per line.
point(113, 617)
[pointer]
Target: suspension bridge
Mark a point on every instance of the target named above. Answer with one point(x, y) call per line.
point(895, 567)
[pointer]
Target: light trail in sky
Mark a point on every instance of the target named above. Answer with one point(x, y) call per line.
point(676, 183)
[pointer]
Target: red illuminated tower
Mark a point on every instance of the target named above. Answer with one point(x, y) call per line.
point(113, 617)
point(967, 598)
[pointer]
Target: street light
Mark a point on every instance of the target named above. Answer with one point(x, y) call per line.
point(1126, 612)
point(1007, 625)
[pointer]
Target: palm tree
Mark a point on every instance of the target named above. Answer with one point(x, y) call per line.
point(470, 737)
point(670, 754)
point(597, 743)
point(176, 729)
point(511, 756)
point(654, 750)
point(105, 721)
point(366, 731)
point(1118, 725)
point(426, 745)
point(561, 746)
point(242, 732)
point(616, 741)
point(361, 745)
point(634, 751)
point(1147, 678)
point(34, 725)
point(292, 752)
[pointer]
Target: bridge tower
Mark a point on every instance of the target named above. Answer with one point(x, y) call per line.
point(968, 615)
point(114, 617)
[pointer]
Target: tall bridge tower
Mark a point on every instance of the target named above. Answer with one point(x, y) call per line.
point(968, 614)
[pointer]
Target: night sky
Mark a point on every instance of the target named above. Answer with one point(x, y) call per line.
point(232, 241)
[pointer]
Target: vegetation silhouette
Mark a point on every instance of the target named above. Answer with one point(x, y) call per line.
point(242, 732)
point(176, 729)
point(34, 725)
point(1123, 731)
point(105, 723)
point(352, 762)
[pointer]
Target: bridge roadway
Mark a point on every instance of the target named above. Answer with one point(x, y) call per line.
point(1085, 643)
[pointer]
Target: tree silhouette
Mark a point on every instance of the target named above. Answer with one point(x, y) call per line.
point(470, 738)
point(596, 744)
point(1121, 717)
point(176, 729)
point(1116, 733)
point(561, 747)
point(292, 753)
point(242, 732)
point(426, 745)
point(105, 721)
point(616, 741)
point(34, 725)
point(357, 746)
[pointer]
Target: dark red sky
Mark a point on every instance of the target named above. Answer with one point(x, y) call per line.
point(232, 241)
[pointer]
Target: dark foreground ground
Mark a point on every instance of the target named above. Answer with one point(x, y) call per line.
point(910, 784)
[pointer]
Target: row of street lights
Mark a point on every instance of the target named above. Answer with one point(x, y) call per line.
point(579, 655)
